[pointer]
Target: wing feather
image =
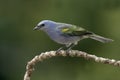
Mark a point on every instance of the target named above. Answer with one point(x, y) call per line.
point(73, 30)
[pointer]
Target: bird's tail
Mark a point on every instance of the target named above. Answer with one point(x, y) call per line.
point(100, 38)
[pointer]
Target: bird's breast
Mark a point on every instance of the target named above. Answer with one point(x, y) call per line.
point(58, 37)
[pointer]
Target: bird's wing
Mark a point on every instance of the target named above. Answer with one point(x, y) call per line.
point(73, 30)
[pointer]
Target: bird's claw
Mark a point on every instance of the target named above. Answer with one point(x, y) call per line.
point(58, 51)
point(68, 51)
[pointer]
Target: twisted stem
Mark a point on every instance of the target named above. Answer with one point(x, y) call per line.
point(72, 53)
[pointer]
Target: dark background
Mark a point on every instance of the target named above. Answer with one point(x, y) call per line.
point(19, 43)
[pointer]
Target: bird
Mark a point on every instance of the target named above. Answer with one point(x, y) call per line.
point(67, 34)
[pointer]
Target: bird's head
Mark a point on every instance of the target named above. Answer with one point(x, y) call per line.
point(45, 24)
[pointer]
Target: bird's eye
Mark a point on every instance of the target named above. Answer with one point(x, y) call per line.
point(42, 24)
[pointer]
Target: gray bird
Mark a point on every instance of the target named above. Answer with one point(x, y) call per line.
point(67, 34)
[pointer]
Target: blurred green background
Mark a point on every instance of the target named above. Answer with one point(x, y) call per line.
point(19, 43)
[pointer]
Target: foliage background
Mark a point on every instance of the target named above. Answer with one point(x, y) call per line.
point(19, 43)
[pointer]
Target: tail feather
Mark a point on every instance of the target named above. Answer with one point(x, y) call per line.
point(100, 38)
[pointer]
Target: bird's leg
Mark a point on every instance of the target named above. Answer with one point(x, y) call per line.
point(57, 52)
point(70, 47)
point(59, 49)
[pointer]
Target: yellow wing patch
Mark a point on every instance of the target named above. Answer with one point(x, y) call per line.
point(65, 29)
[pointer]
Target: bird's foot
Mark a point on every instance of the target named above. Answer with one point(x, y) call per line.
point(68, 51)
point(58, 51)
point(69, 48)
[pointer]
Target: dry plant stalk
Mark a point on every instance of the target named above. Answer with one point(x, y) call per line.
point(72, 53)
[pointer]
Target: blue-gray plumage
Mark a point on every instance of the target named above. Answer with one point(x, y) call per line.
point(67, 34)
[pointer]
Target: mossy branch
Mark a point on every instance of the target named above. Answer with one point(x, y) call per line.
point(72, 53)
